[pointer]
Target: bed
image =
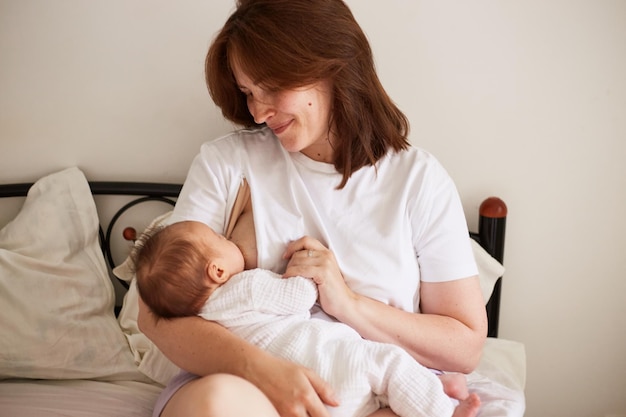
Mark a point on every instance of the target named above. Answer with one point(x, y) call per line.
point(69, 342)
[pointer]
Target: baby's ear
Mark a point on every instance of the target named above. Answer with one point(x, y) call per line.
point(215, 272)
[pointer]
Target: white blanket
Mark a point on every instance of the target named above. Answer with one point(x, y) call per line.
point(273, 313)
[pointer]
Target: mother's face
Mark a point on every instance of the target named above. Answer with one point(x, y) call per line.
point(299, 118)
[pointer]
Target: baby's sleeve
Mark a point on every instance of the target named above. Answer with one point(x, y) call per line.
point(273, 294)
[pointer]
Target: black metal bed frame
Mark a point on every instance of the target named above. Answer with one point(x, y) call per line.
point(490, 235)
point(491, 232)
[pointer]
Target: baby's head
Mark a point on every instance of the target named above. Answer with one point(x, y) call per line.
point(179, 266)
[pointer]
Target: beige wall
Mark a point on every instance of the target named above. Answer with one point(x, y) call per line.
point(525, 100)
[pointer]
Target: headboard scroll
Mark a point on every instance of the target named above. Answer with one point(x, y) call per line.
point(149, 192)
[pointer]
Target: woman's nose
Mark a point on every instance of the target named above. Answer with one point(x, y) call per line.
point(261, 110)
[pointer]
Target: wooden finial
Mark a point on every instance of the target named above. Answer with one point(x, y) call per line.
point(493, 208)
point(130, 234)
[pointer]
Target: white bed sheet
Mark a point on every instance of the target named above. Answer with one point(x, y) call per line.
point(76, 398)
point(499, 381)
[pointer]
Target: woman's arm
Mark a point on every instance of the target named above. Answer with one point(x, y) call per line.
point(448, 334)
point(204, 348)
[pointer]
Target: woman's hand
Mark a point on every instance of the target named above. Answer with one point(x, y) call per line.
point(309, 258)
point(295, 391)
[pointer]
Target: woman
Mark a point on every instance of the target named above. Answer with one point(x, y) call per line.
point(375, 222)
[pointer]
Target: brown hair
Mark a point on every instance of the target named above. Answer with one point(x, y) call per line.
point(170, 273)
point(283, 44)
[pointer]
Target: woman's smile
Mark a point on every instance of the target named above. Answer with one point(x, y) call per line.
point(280, 128)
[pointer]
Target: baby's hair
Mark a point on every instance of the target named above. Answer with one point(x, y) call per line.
point(170, 272)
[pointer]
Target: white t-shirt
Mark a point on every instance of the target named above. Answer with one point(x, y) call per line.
point(391, 226)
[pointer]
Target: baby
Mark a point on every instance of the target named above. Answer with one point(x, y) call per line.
point(188, 269)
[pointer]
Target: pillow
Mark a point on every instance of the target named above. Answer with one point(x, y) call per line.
point(489, 269)
point(151, 361)
point(57, 319)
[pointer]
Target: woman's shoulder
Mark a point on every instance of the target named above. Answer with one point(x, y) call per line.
point(241, 138)
point(418, 154)
point(244, 151)
point(415, 161)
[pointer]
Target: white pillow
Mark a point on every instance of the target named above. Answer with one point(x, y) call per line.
point(57, 319)
point(489, 269)
point(151, 361)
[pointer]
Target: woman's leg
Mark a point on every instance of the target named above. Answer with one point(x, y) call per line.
point(219, 395)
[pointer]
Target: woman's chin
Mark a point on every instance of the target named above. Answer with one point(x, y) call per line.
point(289, 145)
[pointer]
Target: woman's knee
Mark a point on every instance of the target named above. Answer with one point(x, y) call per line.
point(219, 395)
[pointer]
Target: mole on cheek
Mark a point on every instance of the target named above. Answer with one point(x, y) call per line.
point(310, 104)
